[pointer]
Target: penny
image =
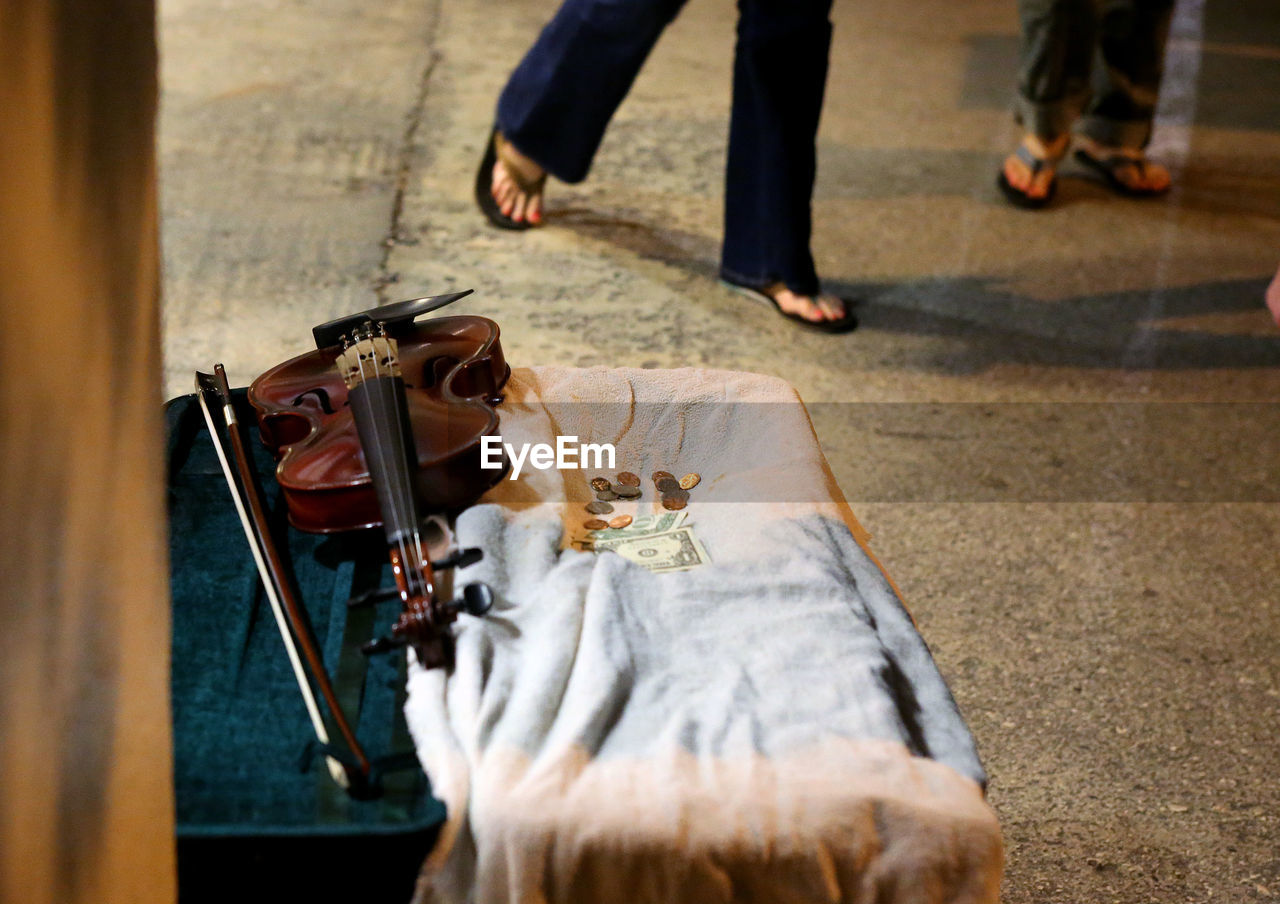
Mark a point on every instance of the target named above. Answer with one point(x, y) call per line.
point(674, 503)
point(627, 479)
point(668, 485)
point(596, 524)
point(599, 483)
point(606, 495)
point(625, 491)
point(689, 481)
point(659, 476)
point(599, 508)
point(620, 521)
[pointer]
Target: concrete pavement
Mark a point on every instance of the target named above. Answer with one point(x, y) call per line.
point(1091, 556)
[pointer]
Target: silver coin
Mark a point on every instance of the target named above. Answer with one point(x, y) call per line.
point(627, 492)
point(606, 495)
point(599, 508)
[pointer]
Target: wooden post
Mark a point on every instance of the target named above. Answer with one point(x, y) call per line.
point(86, 804)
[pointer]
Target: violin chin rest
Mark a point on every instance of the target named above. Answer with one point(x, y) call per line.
point(393, 314)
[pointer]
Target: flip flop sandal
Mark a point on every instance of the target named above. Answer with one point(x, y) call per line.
point(844, 324)
point(1017, 196)
point(495, 149)
point(1109, 167)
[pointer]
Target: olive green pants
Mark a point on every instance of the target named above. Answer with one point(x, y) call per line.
point(1092, 64)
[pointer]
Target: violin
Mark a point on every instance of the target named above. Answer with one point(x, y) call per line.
point(451, 370)
point(382, 425)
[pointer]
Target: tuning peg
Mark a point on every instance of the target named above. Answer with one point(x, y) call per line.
point(459, 558)
point(476, 599)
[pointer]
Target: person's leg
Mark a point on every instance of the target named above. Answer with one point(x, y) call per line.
point(1126, 85)
point(780, 73)
point(558, 101)
point(1052, 90)
point(1131, 40)
point(1055, 62)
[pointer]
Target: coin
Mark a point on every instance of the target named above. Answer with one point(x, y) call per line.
point(689, 481)
point(596, 524)
point(674, 503)
point(659, 476)
point(620, 521)
point(606, 495)
point(625, 491)
point(627, 479)
point(668, 485)
point(599, 508)
point(599, 483)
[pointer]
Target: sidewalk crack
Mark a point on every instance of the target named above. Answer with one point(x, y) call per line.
point(395, 234)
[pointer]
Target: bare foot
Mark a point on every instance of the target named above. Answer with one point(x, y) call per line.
point(1035, 185)
point(517, 184)
point(814, 308)
point(1129, 167)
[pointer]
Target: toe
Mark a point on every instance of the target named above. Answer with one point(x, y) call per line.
point(512, 200)
point(832, 308)
point(500, 187)
point(1019, 175)
point(507, 197)
point(1158, 178)
point(1016, 173)
point(1143, 177)
point(812, 311)
point(800, 305)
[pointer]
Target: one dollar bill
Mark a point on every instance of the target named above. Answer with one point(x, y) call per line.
point(673, 550)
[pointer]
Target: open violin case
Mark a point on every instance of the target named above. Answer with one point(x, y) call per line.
point(258, 815)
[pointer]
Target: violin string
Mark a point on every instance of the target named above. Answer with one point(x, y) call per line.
point(424, 588)
point(386, 456)
point(413, 575)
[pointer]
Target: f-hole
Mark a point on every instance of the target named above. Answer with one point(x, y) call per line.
point(320, 393)
point(436, 369)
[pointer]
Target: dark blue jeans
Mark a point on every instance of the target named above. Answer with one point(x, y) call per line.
point(562, 95)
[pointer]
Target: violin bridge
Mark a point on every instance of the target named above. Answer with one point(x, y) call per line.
point(368, 357)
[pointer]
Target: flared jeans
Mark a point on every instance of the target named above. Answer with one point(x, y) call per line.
point(561, 97)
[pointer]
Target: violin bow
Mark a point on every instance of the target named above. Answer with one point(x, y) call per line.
point(284, 605)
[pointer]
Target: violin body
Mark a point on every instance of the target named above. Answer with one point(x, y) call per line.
point(453, 370)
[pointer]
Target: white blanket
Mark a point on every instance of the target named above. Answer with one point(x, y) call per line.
point(766, 728)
